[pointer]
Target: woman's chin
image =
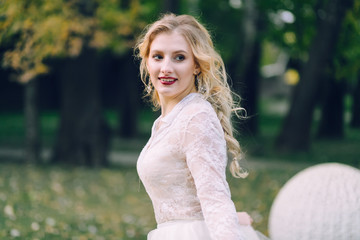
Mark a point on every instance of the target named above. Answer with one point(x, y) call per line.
point(167, 92)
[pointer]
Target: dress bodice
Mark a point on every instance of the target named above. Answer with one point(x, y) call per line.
point(183, 168)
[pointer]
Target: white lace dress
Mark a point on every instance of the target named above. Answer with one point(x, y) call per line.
point(183, 170)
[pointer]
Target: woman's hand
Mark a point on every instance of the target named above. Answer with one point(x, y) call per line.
point(244, 218)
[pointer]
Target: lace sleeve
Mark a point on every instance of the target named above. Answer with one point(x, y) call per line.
point(206, 157)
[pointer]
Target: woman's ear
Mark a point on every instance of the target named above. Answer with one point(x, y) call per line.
point(197, 70)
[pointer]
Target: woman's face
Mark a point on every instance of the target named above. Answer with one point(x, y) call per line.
point(171, 67)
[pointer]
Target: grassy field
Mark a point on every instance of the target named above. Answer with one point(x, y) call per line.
point(72, 203)
point(59, 202)
point(54, 202)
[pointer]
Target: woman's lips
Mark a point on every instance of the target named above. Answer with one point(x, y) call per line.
point(167, 80)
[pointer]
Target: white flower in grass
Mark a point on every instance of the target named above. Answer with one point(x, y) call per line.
point(9, 211)
point(14, 232)
point(92, 229)
point(35, 226)
point(50, 221)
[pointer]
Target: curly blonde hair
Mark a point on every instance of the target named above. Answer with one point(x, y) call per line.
point(211, 81)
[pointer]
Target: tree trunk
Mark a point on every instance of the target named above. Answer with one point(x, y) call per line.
point(129, 97)
point(295, 134)
point(32, 129)
point(83, 133)
point(355, 119)
point(246, 70)
point(250, 90)
point(332, 110)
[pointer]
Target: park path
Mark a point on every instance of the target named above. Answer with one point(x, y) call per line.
point(128, 159)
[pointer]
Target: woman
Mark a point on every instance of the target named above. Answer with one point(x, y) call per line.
point(183, 164)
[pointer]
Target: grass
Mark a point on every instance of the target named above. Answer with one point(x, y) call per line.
point(53, 202)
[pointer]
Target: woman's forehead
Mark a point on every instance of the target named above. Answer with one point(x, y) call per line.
point(170, 41)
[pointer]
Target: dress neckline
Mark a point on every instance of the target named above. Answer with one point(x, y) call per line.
point(178, 107)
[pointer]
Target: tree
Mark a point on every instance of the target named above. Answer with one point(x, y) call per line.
point(83, 135)
point(128, 95)
point(295, 134)
point(68, 29)
point(347, 61)
point(246, 73)
point(32, 128)
point(341, 76)
point(332, 107)
point(355, 120)
point(236, 29)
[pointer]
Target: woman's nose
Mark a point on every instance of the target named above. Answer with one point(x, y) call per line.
point(166, 67)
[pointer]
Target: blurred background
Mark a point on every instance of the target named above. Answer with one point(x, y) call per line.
point(73, 121)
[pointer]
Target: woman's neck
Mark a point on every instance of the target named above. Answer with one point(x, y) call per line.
point(167, 106)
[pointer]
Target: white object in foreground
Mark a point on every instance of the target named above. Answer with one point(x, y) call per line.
point(321, 202)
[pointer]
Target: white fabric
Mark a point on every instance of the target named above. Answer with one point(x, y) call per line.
point(181, 230)
point(183, 169)
point(190, 230)
point(321, 202)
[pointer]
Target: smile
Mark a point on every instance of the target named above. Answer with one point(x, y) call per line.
point(167, 80)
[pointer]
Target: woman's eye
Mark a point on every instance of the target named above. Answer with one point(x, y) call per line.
point(179, 57)
point(157, 57)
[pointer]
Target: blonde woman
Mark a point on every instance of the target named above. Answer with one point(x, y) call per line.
point(183, 164)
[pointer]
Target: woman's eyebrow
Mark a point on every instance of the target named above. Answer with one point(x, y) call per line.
point(180, 51)
point(175, 52)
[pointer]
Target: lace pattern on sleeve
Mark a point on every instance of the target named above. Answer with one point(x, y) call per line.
point(206, 156)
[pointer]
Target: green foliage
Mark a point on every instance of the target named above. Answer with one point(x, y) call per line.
point(38, 29)
point(275, 27)
point(292, 36)
point(295, 38)
point(347, 61)
point(224, 24)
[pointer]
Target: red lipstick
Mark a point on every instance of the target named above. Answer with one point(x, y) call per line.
point(167, 80)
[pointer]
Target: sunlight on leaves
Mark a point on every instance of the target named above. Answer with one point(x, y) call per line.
point(38, 30)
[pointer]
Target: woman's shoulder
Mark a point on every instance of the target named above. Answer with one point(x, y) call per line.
point(198, 116)
point(198, 107)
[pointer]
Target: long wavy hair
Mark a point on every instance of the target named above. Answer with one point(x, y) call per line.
point(211, 81)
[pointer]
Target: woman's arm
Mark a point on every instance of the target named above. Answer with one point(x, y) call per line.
point(206, 156)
